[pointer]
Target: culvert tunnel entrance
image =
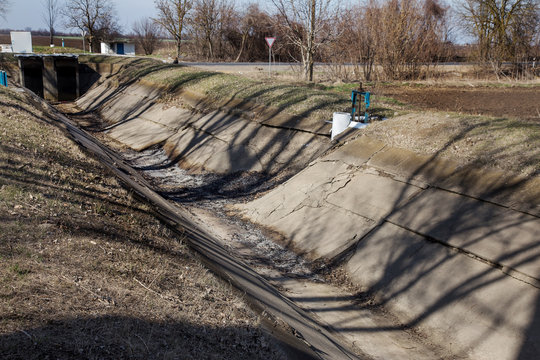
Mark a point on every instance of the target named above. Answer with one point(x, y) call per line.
point(56, 77)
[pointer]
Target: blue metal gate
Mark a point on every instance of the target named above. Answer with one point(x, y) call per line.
point(120, 48)
point(3, 78)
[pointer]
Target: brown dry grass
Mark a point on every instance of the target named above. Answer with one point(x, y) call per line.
point(88, 273)
point(504, 143)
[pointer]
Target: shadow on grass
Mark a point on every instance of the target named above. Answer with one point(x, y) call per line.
point(120, 337)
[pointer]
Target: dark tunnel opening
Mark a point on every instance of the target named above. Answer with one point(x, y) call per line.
point(67, 82)
point(33, 76)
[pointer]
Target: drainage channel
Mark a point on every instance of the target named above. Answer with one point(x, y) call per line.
point(348, 316)
point(305, 337)
point(326, 319)
point(207, 197)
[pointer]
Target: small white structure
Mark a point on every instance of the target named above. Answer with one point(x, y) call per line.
point(21, 42)
point(118, 47)
point(341, 121)
point(6, 48)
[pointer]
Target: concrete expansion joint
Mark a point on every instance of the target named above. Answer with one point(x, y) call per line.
point(343, 256)
point(486, 201)
point(375, 153)
point(506, 270)
point(212, 135)
point(292, 129)
point(325, 161)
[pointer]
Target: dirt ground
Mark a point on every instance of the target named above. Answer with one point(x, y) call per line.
point(518, 102)
point(87, 272)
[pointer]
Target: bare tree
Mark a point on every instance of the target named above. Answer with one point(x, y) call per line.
point(4, 7)
point(146, 35)
point(307, 24)
point(205, 23)
point(356, 43)
point(95, 17)
point(50, 16)
point(171, 16)
point(504, 29)
point(409, 34)
point(249, 26)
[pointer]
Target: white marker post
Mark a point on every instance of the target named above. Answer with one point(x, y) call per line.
point(270, 42)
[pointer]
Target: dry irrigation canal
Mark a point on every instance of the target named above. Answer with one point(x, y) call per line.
point(365, 250)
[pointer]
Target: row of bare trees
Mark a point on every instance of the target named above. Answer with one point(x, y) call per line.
point(215, 28)
point(401, 36)
point(505, 31)
point(393, 39)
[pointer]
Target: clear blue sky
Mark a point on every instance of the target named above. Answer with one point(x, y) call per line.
point(29, 13)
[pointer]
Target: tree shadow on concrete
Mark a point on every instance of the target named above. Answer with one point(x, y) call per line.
point(253, 147)
point(468, 249)
point(424, 256)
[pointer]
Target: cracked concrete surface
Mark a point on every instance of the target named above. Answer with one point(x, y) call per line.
point(420, 237)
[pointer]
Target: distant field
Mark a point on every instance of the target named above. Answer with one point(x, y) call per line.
point(70, 42)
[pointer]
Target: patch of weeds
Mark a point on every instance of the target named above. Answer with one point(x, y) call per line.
point(19, 271)
point(389, 100)
point(100, 209)
point(9, 193)
point(342, 88)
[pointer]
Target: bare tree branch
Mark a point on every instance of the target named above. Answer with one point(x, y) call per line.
point(50, 16)
point(307, 24)
point(505, 30)
point(171, 16)
point(95, 17)
point(4, 8)
point(146, 35)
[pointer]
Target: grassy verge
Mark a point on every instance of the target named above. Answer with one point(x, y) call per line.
point(293, 98)
point(56, 50)
point(494, 142)
point(87, 272)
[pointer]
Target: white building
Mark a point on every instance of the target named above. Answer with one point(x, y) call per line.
point(118, 47)
point(21, 42)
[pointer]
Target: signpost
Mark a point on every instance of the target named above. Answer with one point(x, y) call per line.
point(83, 44)
point(270, 42)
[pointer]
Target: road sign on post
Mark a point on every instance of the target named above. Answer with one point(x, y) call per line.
point(270, 42)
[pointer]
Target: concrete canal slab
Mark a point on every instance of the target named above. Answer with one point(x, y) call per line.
point(140, 134)
point(497, 234)
point(475, 308)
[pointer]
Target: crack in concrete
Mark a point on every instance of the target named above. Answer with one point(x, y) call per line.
point(507, 270)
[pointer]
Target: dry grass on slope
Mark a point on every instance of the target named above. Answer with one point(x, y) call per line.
point(87, 272)
point(509, 144)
